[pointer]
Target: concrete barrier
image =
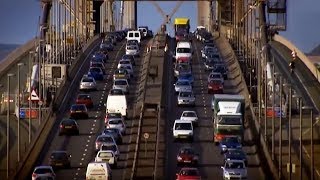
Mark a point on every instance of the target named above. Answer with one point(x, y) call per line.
point(300, 54)
point(38, 142)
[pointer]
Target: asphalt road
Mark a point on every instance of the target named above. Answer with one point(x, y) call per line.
point(82, 147)
point(210, 158)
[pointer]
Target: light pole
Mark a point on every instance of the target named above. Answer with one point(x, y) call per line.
point(311, 137)
point(300, 132)
point(280, 129)
point(8, 122)
point(273, 110)
point(19, 65)
point(289, 126)
point(31, 56)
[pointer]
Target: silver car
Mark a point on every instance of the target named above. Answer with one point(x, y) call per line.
point(189, 116)
point(117, 123)
point(111, 147)
point(88, 83)
point(121, 84)
point(182, 68)
point(234, 169)
point(104, 139)
point(186, 98)
point(182, 85)
point(133, 50)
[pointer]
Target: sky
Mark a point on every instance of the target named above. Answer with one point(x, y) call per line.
point(19, 20)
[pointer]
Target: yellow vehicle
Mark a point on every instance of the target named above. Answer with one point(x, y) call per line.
point(181, 28)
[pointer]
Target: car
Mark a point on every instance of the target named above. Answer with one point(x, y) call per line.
point(99, 56)
point(234, 169)
point(128, 67)
point(106, 156)
point(182, 86)
point(121, 74)
point(112, 116)
point(215, 86)
point(229, 142)
point(116, 92)
point(96, 73)
point(209, 64)
point(133, 50)
point(182, 68)
point(215, 75)
point(60, 159)
point(115, 133)
point(182, 129)
point(121, 84)
point(237, 154)
point(123, 61)
point(208, 50)
point(186, 155)
point(111, 147)
point(117, 123)
point(78, 111)
point(68, 126)
point(85, 99)
point(99, 65)
point(221, 68)
point(188, 173)
point(129, 57)
point(189, 116)
point(104, 139)
point(88, 83)
point(43, 172)
point(188, 77)
point(107, 45)
point(186, 98)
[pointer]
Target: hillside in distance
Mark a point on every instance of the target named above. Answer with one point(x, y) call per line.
point(5, 49)
point(315, 51)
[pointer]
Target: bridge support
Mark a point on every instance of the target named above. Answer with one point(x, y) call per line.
point(205, 14)
point(130, 14)
point(96, 16)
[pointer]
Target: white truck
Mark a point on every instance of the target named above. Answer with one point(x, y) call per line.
point(228, 116)
point(117, 104)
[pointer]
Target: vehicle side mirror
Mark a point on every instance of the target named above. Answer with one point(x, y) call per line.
point(222, 167)
point(174, 84)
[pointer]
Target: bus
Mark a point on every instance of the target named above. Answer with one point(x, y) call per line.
point(181, 28)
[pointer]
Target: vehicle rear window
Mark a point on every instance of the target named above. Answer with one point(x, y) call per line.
point(84, 96)
point(68, 122)
point(87, 80)
point(42, 171)
point(78, 107)
point(189, 114)
point(109, 147)
point(186, 94)
point(105, 139)
point(234, 165)
point(190, 172)
point(130, 34)
point(136, 34)
point(132, 47)
point(59, 155)
point(183, 83)
point(183, 50)
point(183, 126)
point(94, 69)
point(115, 122)
point(120, 82)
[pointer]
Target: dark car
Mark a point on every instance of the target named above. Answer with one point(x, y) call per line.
point(78, 111)
point(129, 57)
point(209, 64)
point(188, 173)
point(231, 142)
point(59, 159)
point(99, 56)
point(85, 99)
point(186, 155)
point(221, 68)
point(237, 154)
point(96, 73)
point(69, 127)
point(115, 133)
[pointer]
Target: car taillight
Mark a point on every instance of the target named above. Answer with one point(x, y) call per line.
point(219, 136)
point(179, 158)
point(61, 126)
point(34, 175)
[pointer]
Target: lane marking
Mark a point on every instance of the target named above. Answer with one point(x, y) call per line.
point(80, 164)
point(82, 159)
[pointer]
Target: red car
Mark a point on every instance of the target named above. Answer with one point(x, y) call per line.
point(187, 155)
point(188, 174)
point(85, 99)
point(215, 86)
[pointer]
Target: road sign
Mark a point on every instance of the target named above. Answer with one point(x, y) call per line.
point(34, 96)
point(146, 135)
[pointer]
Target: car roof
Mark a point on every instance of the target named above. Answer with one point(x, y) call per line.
point(189, 112)
point(43, 167)
point(234, 160)
point(182, 121)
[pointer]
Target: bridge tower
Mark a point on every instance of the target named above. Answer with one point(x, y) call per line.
point(205, 14)
point(130, 14)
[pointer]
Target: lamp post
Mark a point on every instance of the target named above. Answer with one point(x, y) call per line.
point(273, 111)
point(311, 139)
point(31, 56)
point(8, 122)
point(289, 126)
point(300, 133)
point(280, 122)
point(19, 65)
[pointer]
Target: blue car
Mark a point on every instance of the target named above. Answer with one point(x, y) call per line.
point(100, 57)
point(236, 154)
point(186, 77)
point(231, 142)
point(96, 73)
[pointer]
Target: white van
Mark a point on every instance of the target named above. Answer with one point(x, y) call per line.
point(98, 170)
point(116, 104)
point(134, 35)
point(184, 50)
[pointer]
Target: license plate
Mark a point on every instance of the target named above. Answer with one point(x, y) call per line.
point(187, 161)
point(68, 127)
point(59, 164)
point(183, 136)
point(78, 111)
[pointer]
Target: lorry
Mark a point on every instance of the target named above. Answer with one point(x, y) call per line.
point(228, 116)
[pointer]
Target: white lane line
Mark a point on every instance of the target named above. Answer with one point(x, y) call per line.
point(88, 140)
point(92, 129)
point(82, 159)
point(205, 112)
point(93, 125)
point(74, 178)
point(91, 132)
point(95, 120)
point(85, 150)
point(89, 136)
point(87, 145)
point(83, 154)
point(79, 169)
point(80, 164)
point(100, 102)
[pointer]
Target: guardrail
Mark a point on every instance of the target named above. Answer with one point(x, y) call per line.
point(38, 142)
point(313, 69)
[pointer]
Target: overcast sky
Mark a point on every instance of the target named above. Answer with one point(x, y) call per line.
point(19, 20)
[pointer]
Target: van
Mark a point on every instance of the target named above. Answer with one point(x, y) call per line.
point(134, 35)
point(98, 170)
point(183, 50)
point(116, 104)
point(144, 30)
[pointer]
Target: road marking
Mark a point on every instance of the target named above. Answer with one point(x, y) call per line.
point(93, 125)
point(79, 169)
point(82, 159)
point(89, 136)
point(87, 145)
point(91, 132)
point(85, 150)
point(88, 140)
point(205, 112)
point(92, 129)
point(83, 154)
point(100, 102)
point(80, 164)
point(95, 120)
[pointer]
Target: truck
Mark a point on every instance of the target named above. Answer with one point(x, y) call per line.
point(117, 104)
point(228, 116)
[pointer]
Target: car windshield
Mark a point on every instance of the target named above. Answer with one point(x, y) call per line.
point(183, 83)
point(121, 71)
point(183, 50)
point(42, 171)
point(186, 151)
point(124, 62)
point(77, 108)
point(215, 76)
point(120, 83)
point(105, 154)
point(87, 80)
point(127, 57)
point(215, 81)
point(189, 114)
point(109, 147)
point(183, 126)
point(112, 131)
point(132, 47)
point(230, 140)
point(115, 122)
point(185, 76)
point(189, 172)
point(235, 152)
point(58, 155)
point(97, 70)
point(84, 97)
point(105, 139)
point(68, 122)
point(230, 121)
point(234, 165)
point(186, 94)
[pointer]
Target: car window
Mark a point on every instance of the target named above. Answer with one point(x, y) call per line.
point(189, 114)
point(189, 172)
point(183, 83)
point(183, 126)
point(186, 94)
point(115, 122)
point(109, 147)
point(68, 122)
point(87, 80)
point(77, 107)
point(59, 155)
point(136, 34)
point(183, 50)
point(234, 165)
point(42, 171)
point(120, 83)
point(105, 139)
point(130, 34)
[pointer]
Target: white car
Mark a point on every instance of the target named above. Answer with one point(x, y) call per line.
point(182, 129)
point(106, 156)
point(43, 172)
point(133, 50)
point(121, 84)
point(88, 83)
point(189, 116)
point(234, 169)
point(111, 147)
point(117, 123)
point(124, 61)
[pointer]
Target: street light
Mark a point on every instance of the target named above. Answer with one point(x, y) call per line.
point(31, 56)
point(300, 120)
point(311, 137)
point(289, 126)
point(273, 111)
point(280, 122)
point(8, 122)
point(19, 65)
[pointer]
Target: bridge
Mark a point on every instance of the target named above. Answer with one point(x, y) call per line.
point(280, 144)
